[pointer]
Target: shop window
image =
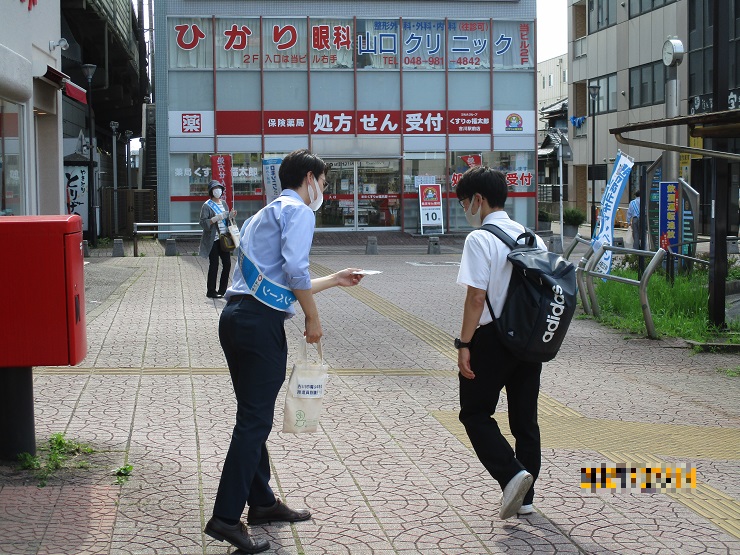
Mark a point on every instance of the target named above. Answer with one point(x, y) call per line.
point(332, 90)
point(190, 42)
point(190, 90)
point(332, 42)
point(368, 85)
point(468, 46)
point(288, 90)
point(512, 45)
point(12, 152)
point(423, 44)
point(468, 91)
point(425, 90)
point(238, 43)
point(284, 43)
point(377, 44)
point(513, 90)
point(227, 82)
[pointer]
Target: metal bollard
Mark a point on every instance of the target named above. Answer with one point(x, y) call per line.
point(118, 247)
point(433, 246)
point(732, 247)
point(85, 249)
point(555, 244)
point(372, 245)
point(170, 247)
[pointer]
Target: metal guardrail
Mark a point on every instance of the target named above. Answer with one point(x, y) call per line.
point(642, 283)
point(670, 256)
point(157, 231)
point(585, 275)
point(580, 267)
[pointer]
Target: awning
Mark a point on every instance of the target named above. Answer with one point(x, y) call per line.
point(725, 124)
point(54, 77)
point(75, 92)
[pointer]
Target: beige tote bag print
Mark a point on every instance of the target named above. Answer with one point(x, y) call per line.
point(305, 393)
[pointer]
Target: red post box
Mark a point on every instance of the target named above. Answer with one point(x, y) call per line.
point(42, 323)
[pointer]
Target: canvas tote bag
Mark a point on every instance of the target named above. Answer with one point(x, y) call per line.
point(305, 393)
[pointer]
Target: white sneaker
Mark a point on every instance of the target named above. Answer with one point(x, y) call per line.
point(514, 492)
point(525, 510)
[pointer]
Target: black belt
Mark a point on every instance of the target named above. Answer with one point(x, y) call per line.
point(237, 298)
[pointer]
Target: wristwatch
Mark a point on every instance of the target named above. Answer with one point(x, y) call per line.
point(461, 345)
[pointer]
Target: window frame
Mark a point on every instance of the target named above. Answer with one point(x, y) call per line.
point(607, 97)
point(638, 8)
point(593, 8)
point(641, 97)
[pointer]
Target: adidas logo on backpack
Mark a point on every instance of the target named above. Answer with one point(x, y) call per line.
point(540, 299)
point(553, 320)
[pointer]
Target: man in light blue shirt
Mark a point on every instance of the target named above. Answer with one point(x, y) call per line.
point(633, 219)
point(271, 273)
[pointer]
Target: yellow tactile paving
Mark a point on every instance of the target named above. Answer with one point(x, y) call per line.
point(648, 441)
point(432, 336)
point(606, 436)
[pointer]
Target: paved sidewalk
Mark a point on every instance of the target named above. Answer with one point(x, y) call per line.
point(391, 470)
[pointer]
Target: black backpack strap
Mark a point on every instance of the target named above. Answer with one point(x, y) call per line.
point(506, 239)
point(501, 234)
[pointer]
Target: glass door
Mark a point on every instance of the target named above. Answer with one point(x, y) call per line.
point(361, 194)
point(379, 193)
point(340, 197)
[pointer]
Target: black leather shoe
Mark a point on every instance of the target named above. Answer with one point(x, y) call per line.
point(214, 295)
point(279, 512)
point(236, 535)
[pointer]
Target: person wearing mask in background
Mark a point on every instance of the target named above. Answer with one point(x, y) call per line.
point(214, 215)
point(486, 365)
point(633, 220)
point(271, 274)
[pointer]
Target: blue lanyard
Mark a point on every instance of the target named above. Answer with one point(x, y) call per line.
point(218, 210)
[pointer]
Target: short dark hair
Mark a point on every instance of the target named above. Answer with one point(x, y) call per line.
point(490, 184)
point(296, 165)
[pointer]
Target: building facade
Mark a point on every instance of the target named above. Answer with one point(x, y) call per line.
point(30, 109)
point(552, 88)
point(619, 47)
point(394, 94)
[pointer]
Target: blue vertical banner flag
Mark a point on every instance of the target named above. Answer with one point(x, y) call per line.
point(669, 210)
point(270, 168)
point(608, 211)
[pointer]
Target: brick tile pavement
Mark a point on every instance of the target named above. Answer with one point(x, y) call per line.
point(390, 471)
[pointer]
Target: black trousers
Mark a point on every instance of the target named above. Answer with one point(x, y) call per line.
point(253, 339)
point(496, 368)
point(213, 257)
point(635, 223)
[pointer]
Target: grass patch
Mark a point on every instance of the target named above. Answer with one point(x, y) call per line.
point(123, 473)
point(730, 372)
point(60, 452)
point(679, 311)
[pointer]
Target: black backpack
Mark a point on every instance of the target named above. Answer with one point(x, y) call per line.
point(540, 301)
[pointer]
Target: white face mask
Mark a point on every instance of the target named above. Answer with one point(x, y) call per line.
point(474, 220)
point(217, 193)
point(315, 195)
